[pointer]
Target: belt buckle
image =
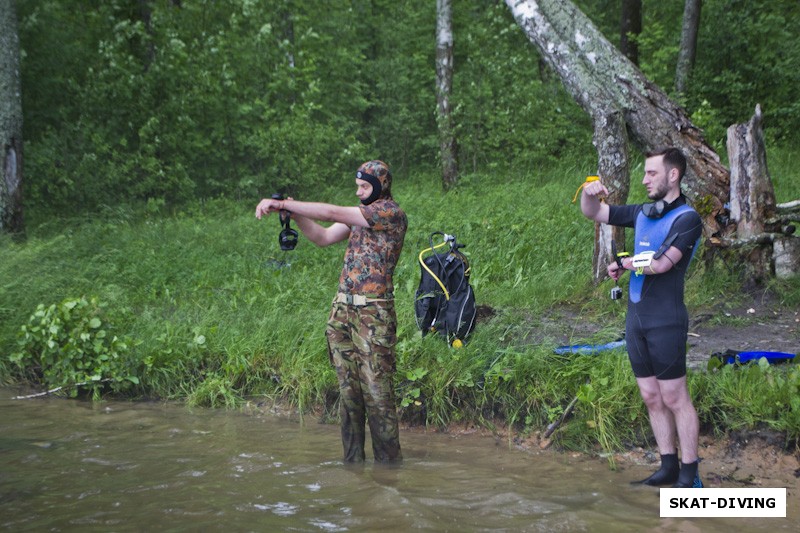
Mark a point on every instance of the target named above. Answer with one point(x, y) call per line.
point(345, 298)
point(357, 300)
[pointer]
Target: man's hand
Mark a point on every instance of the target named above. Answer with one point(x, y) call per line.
point(269, 205)
point(615, 271)
point(592, 204)
point(595, 189)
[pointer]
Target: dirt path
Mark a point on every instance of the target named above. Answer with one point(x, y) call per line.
point(755, 326)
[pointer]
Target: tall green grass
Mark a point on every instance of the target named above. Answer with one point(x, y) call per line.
point(217, 314)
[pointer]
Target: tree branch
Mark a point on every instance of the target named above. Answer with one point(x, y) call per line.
point(51, 391)
point(761, 238)
point(789, 206)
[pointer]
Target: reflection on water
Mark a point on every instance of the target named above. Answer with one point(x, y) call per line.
point(115, 466)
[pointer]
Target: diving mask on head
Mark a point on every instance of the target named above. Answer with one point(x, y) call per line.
point(654, 209)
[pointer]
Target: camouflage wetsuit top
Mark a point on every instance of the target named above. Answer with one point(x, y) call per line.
point(372, 252)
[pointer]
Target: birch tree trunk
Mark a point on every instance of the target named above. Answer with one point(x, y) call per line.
point(600, 79)
point(11, 220)
point(688, 50)
point(448, 147)
point(613, 163)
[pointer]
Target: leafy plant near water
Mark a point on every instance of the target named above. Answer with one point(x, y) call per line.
point(411, 395)
point(753, 395)
point(69, 345)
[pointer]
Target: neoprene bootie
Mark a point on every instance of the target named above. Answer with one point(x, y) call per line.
point(666, 475)
point(689, 477)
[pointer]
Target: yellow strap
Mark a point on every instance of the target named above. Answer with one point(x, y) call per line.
point(589, 179)
point(421, 262)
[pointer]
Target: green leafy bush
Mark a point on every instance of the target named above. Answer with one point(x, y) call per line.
point(752, 395)
point(69, 345)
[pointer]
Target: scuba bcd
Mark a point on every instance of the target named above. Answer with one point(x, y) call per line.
point(444, 301)
point(287, 239)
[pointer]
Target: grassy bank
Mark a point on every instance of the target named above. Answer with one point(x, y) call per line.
point(206, 308)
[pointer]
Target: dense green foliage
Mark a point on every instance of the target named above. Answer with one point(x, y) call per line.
point(212, 314)
point(127, 100)
point(748, 53)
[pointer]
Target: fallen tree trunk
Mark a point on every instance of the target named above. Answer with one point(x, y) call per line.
point(599, 78)
point(751, 241)
point(787, 213)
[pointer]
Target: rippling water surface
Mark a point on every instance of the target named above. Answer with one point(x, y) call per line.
point(114, 466)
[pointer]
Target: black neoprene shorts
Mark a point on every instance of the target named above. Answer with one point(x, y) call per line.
point(656, 347)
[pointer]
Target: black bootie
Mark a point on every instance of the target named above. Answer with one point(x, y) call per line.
point(689, 477)
point(666, 475)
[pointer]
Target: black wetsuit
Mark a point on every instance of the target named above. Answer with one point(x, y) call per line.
point(657, 324)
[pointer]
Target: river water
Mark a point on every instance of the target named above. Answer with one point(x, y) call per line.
point(69, 465)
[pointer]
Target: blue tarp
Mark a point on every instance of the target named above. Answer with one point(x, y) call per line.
point(589, 349)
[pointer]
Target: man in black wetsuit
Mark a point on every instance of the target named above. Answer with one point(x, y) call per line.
point(666, 232)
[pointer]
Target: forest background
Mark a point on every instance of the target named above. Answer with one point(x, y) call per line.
point(153, 128)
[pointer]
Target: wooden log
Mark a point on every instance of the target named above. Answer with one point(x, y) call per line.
point(748, 242)
point(786, 256)
point(752, 198)
point(599, 77)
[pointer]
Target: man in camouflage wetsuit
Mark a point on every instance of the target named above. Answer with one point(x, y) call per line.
point(362, 327)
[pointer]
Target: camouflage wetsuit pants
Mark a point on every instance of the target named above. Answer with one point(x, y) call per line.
point(361, 343)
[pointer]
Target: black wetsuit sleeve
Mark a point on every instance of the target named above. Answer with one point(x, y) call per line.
point(688, 227)
point(623, 215)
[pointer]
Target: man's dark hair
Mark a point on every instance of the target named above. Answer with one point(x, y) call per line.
point(673, 158)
